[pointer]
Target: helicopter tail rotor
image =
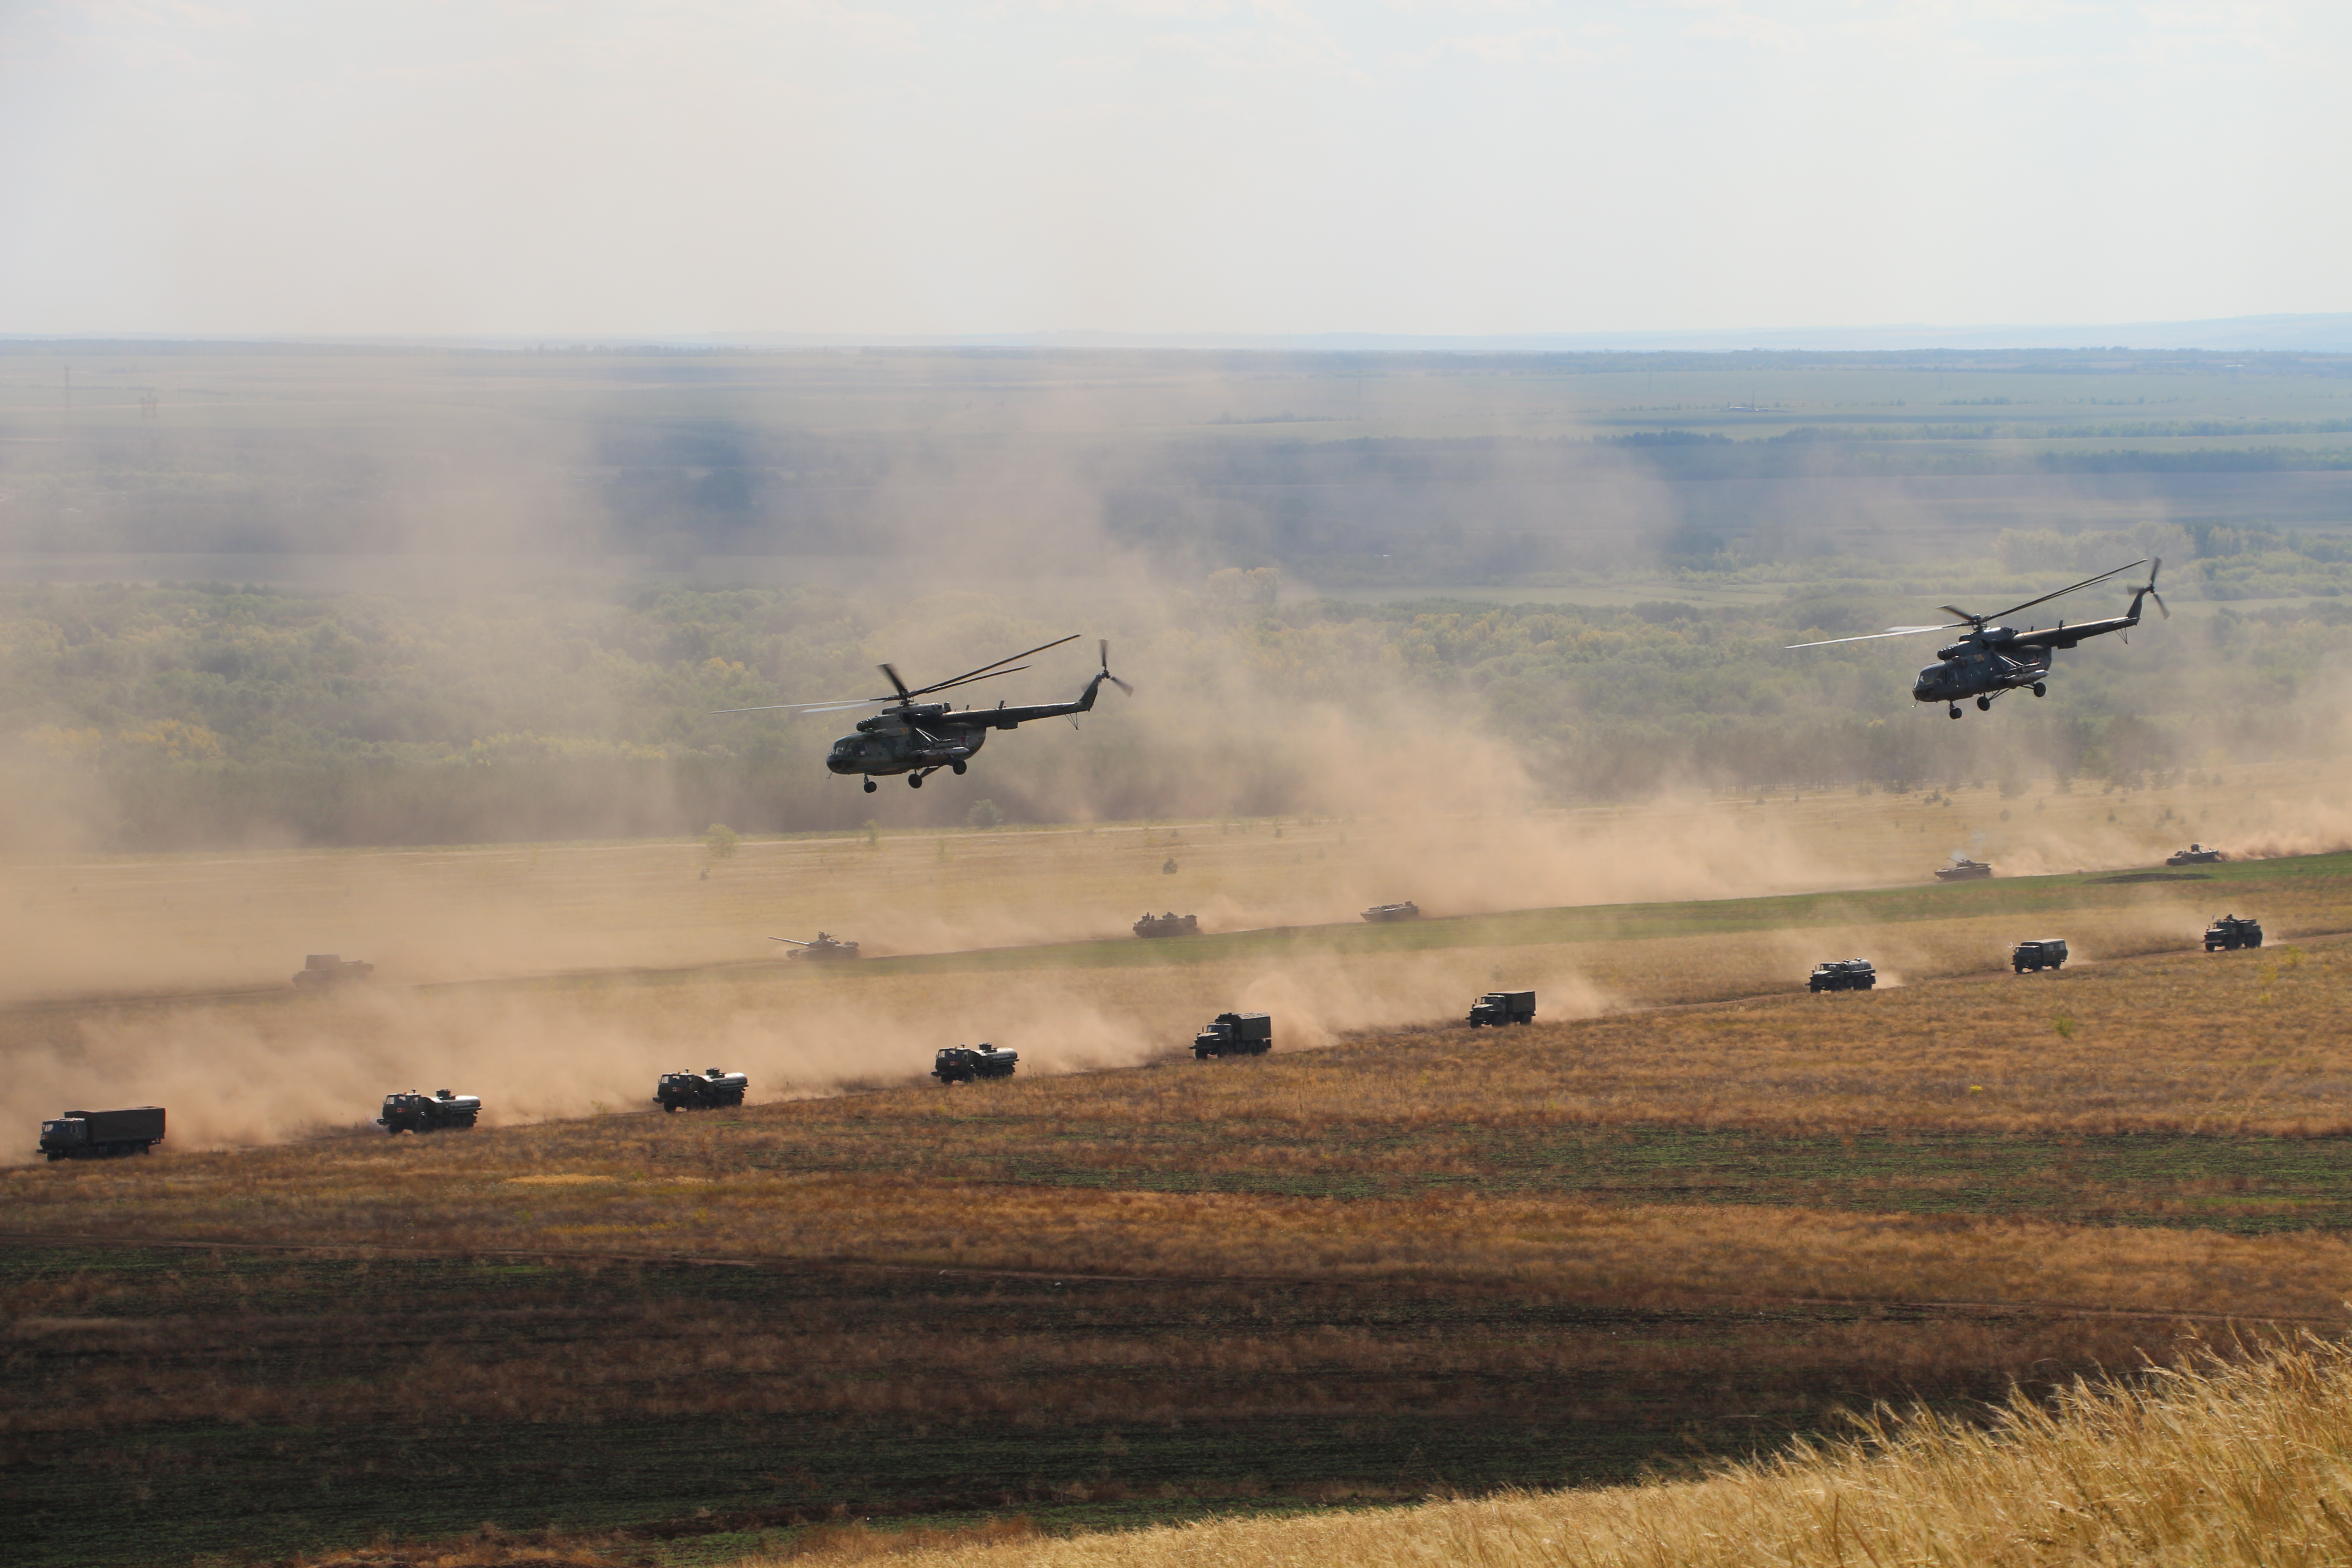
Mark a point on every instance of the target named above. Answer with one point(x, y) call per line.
point(2154, 567)
point(1102, 645)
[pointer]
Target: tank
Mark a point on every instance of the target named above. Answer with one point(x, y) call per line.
point(705, 1090)
point(2043, 952)
point(962, 1064)
point(2233, 931)
point(1843, 974)
point(825, 948)
point(1380, 913)
point(103, 1134)
point(1168, 925)
point(320, 970)
point(1963, 870)
point(1500, 1007)
point(2195, 855)
point(1234, 1035)
point(411, 1111)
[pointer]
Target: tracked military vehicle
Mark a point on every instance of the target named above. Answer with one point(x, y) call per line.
point(1843, 974)
point(2195, 855)
point(2233, 931)
point(824, 948)
point(1407, 910)
point(1234, 1035)
point(1168, 925)
point(962, 1064)
point(705, 1090)
point(320, 970)
point(415, 1111)
point(1500, 1007)
point(103, 1134)
point(1963, 870)
point(2045, 952)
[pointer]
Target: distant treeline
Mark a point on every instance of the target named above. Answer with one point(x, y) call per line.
point(180, 715)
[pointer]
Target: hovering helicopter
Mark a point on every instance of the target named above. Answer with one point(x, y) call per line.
point(918, 739)
point(1992, 660)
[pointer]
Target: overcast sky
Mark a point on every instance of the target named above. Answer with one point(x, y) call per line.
point(598, 167)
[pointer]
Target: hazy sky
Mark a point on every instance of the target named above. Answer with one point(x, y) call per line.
point(616, 166)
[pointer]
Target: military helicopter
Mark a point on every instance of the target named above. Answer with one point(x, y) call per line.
point(918, 739)
point(1992, 660)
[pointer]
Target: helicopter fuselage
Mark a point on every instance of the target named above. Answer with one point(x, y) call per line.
point(2003, 659)
point(917, 737)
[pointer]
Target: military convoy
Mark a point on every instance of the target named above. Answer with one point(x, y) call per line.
point(2043, 953)
point(1234, 1035)
point(412, 1110)
point(2195, 855)
point(1964, 871)
point(2232, 933)
point(962, 1064)
point(1500, 1007)
point(320, 970)
point(707, 1090)
point(1168, 925)
point(1843, 974)
point(103, 1134)
point(824, 948)
point(1381, 913)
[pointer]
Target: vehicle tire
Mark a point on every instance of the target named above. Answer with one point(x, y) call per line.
point(2040, 689)
point(669, 1107)
point(1984, 704)
point(2021, 969)
point(869, 786)
point(2257, 941)
point(956, 768)
point(1870, 986)
point(914, 781)
point(1956, 710)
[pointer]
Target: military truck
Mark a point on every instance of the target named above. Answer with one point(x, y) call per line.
point(1234, 1035)
point(704, 1090)
point(826, 946)
point(1168, 925)
point(320, 970)
point(1963, 870)
point(103, 1134)
point(961, 1064)
point(2233, 931)
point(1407, 910)
point(1500, 1007)
point(2195, 855)
point(412, 1110)
point(2043, 953)
point(1843, 974)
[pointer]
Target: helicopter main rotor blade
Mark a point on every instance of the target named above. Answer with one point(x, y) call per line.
point(2064, 592)
point(991, 665)
point(967, 679)
point(1892, 632)
point(904, 694)
point(832, 707)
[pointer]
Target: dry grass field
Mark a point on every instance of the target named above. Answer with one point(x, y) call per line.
point(1691, 1215)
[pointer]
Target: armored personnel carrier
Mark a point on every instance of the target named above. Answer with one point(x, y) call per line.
point(1963, 870)
point(1234, 1035)
point(704, 1090)
point(961, 1064)
point(320, 970)
point(1500, 1007)
point(1844, 975)
point(1407, 910)
point(826, 946)
point(2233, 931)
point(2195, 855)
point(2045, 952)
point(1168, 925)
point(103, 1134)
point(415, 1111)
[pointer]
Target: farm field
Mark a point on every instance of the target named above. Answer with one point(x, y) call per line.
point(1414, 1263)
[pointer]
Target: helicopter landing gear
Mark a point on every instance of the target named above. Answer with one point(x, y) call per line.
point(1984, 704)
point(1956, 710)
point(914, 781)
point(869, 786)
point(2040, 689)
point(956, 768)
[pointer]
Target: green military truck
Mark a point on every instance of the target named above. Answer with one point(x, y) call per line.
point(707, 1090)
point(1500, 1007)
point(962, 1064)
point(2043, 952)
point(1234, 1035)
point(103, 1134)
point(412, 1110)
